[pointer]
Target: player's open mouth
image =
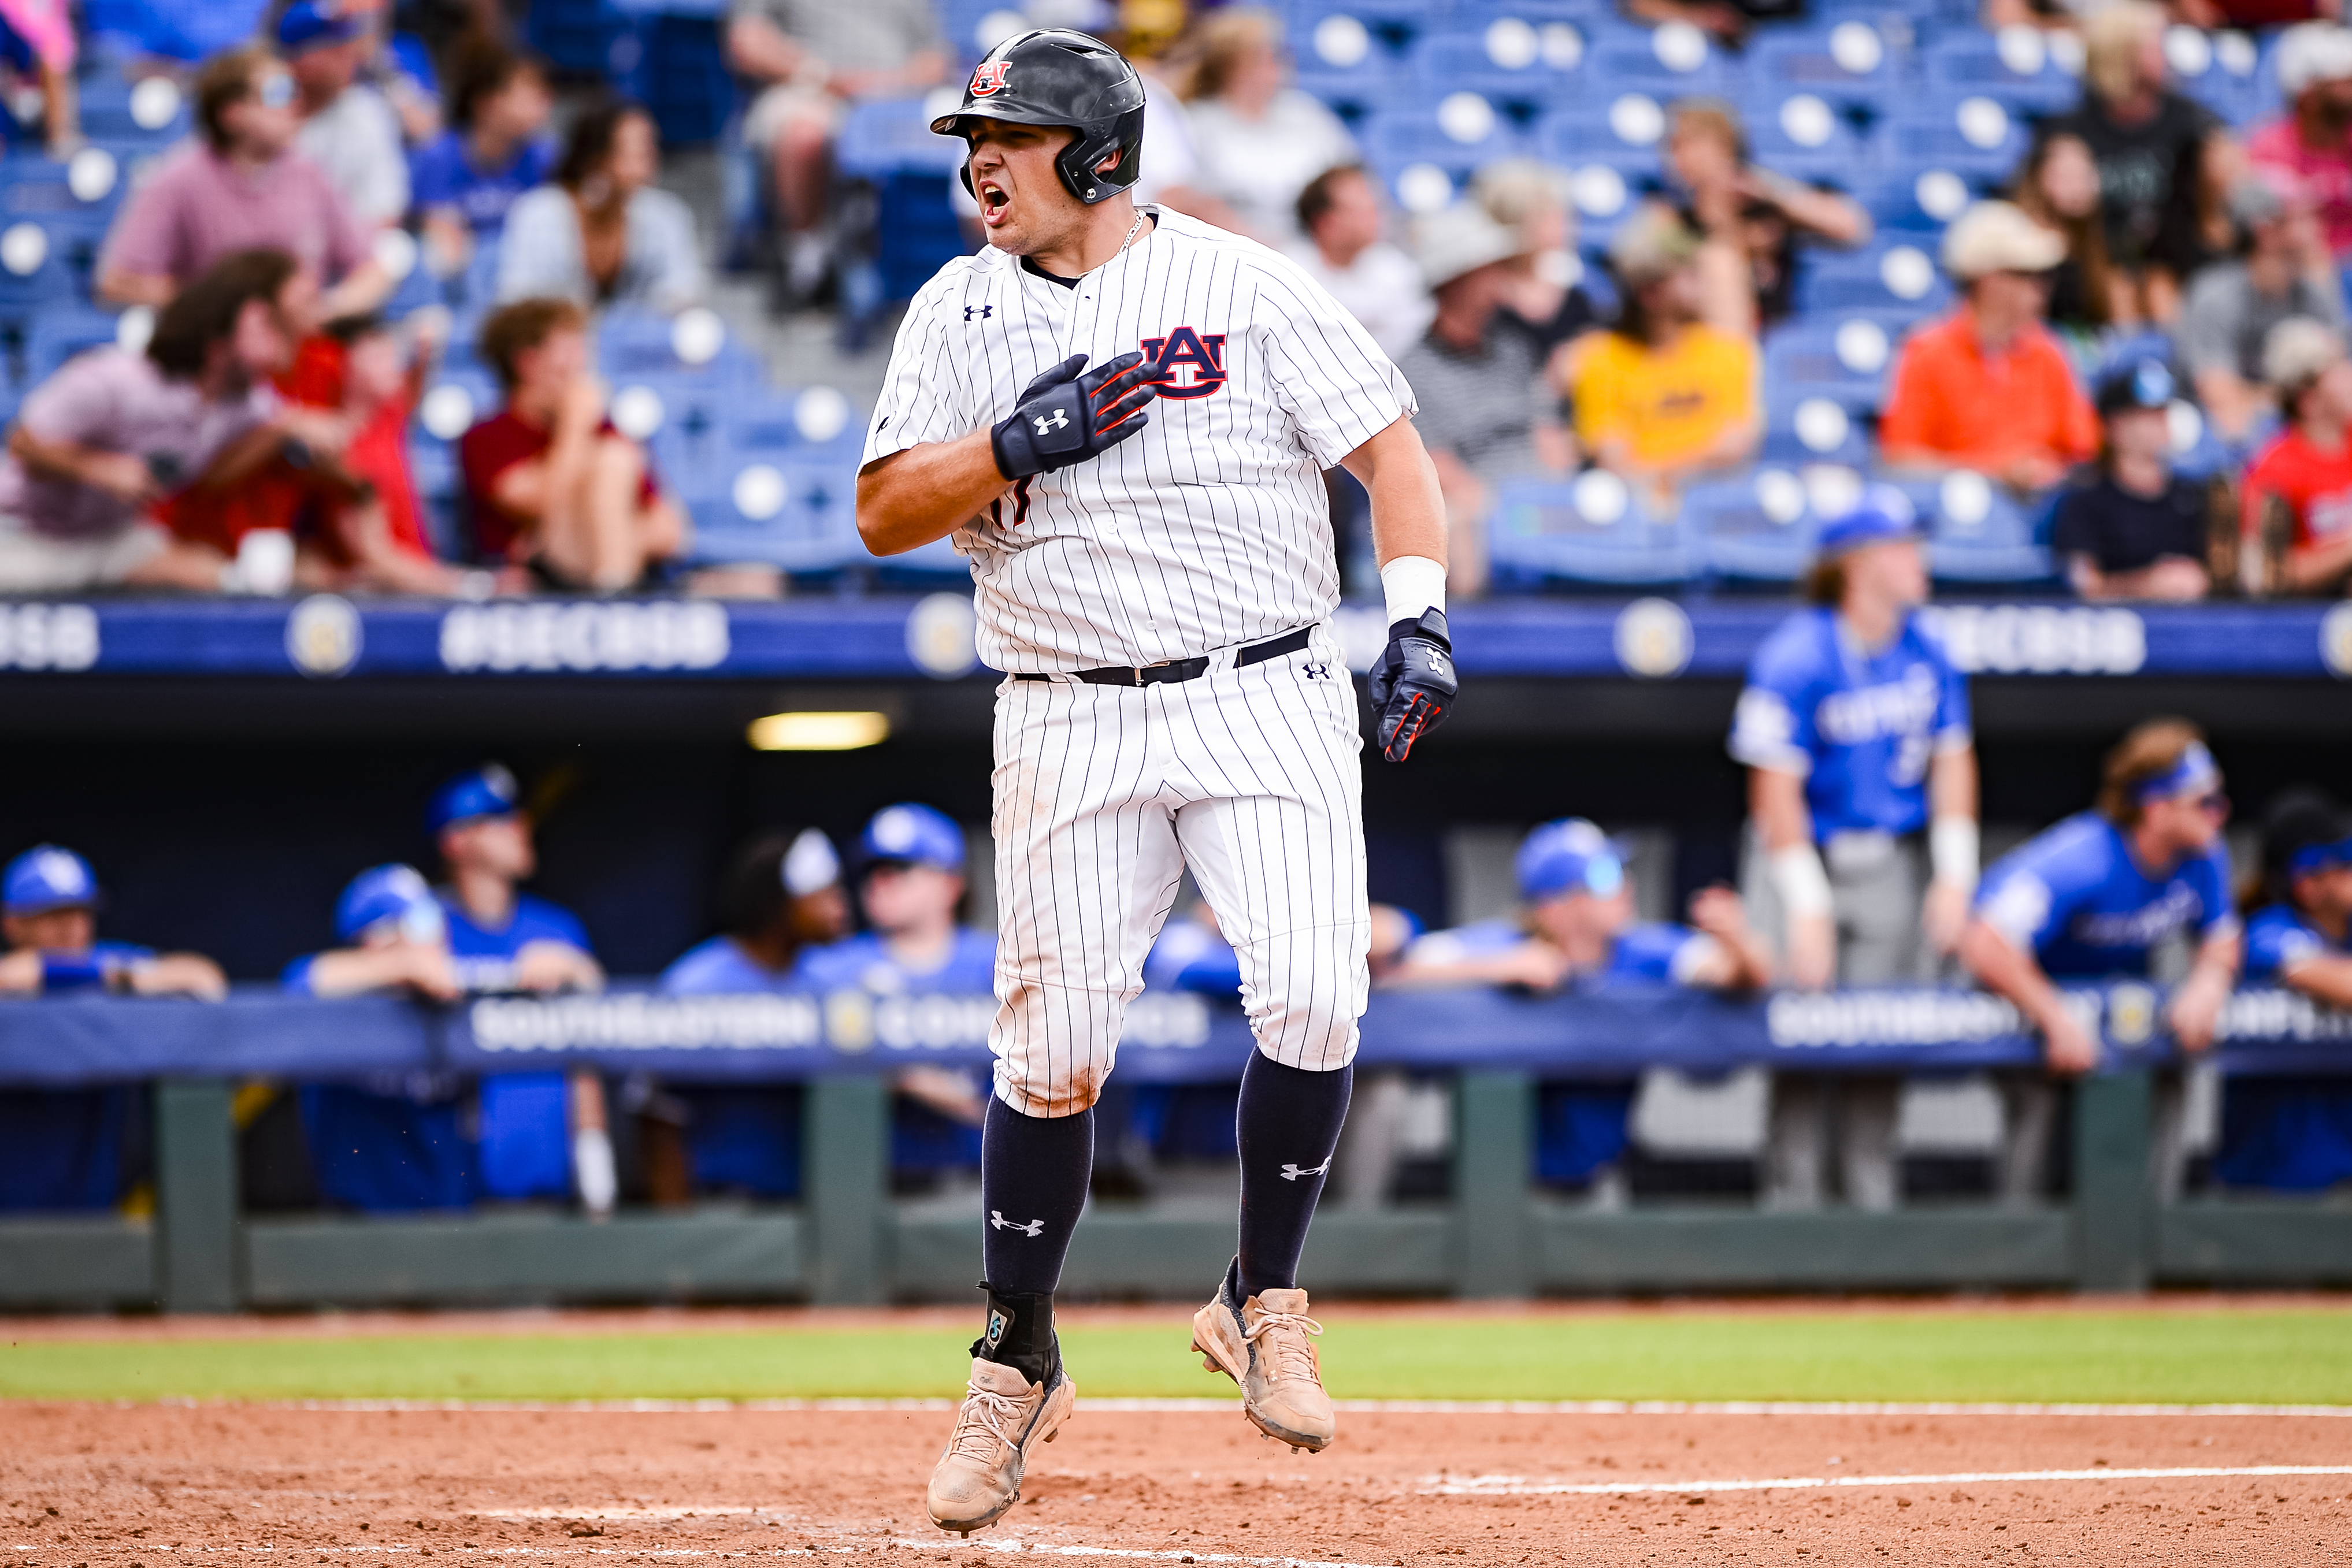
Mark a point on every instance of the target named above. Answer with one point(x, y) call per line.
point(995, 203)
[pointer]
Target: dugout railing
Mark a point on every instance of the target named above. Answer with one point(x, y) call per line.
point(849, 1242)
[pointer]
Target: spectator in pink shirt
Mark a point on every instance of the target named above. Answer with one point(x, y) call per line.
point(2307, 153)
point(240, 186)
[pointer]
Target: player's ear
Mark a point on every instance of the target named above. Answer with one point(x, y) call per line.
point(1109, 161)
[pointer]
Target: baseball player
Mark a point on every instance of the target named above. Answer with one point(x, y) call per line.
point(1862, 785)
point(1158, 584)
point(2092, 898)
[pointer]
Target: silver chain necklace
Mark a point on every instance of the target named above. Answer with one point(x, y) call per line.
point(1132, 230)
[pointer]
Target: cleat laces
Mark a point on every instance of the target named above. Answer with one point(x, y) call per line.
point(1285, 1342)
point(983, 1418)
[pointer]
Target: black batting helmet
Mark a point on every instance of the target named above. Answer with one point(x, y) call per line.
point(1056, 77)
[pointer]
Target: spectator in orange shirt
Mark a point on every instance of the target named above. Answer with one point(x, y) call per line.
point(1988, 387)
point(2307, 474)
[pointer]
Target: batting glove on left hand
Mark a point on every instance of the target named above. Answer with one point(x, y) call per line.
point(1064, 417)
point(1414, 684)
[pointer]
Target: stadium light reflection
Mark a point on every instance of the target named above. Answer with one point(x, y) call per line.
point(818, 731)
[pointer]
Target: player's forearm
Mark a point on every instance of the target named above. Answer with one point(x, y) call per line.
point(908, 499)
point(1776, 803)
point(2011, 975)
point(2327, 981)
point(1408, 505)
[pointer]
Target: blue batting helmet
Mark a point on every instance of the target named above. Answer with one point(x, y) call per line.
point(1567, 857)
point(920, 834)
point(488, 790)
point(46, 877)
point(394, 893)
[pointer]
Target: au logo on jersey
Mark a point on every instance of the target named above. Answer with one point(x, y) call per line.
point(1195, 364)
point(989, 79)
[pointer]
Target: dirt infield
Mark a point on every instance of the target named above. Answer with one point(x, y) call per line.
point(145, 1486)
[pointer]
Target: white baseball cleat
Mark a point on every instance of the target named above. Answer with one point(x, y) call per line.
point(1004, 1416)
point(1266, 1349)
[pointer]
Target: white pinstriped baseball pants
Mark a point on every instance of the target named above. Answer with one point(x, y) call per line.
point(1104, 794)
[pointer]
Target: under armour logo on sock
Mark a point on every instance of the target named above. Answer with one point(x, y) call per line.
point(1059, 420)
point(1034, 1229)
point(1292, 1173)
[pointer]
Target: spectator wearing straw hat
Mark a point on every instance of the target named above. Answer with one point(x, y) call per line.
point(2298, 490)
point(1988, 387)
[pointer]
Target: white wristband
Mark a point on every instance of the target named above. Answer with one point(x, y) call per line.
point(1803, 884)
point(1952, 850)
point(592, 1169)
point(1412, 583)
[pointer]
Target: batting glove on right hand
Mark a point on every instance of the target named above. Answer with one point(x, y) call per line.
point(1414, 684)
point(1064, 417)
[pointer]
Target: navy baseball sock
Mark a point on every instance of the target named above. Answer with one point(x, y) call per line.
point(1287, 1127)
point(1033, 1184)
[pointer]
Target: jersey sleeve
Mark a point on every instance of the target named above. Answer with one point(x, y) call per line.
point(919, 402)
point(296, 977)
point(1772, 726)
point(1658, 952)
point(2211, 876)
point(2030, 892)
point(1338, 388)
point(2276, 942)
point(1955, 725)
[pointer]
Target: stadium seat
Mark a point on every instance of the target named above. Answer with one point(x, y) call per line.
point(1520, 65)
point(56, 336)
point(693, 347)
point(2016, 69)
point(1805, 137)
point(1924, 201)
point(74, 200)
point(1351, 60)
point(1977, 137)
point(588, 36)
point(883, 136)
point(153, 110)
point(972, 27)
point(1464, 133)
point(2222, 71)
point(1628, 136)
point(175, 29)
point(1843, 356)
point(1849, 64)
point(1669, 62)
point(1897, 277)
point(782, 511)
point(1591, 530)
point(1808, 425)
point(1759, 528)
point(1979, 537)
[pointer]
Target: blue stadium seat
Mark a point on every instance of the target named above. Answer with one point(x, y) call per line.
point(972, 27)
point(1756, 529)
point(1670, 62)
point(1975, 137)
point(1924, 201)
point(1397, 141)
point(1897, 275)
point(2015, 69)
point(154, 111)
point(1845, 357)
point(1522, 65)
point(1979, 536)
point(75, 201)
point(53, 337)
point(2223, 72)
point(588, 36)
point(676, 65)
point(1591, 530)
point(30, 285)
point(882, 136)
point(1804, 137)
point(1807, 425)
point(1848, 63)
point(637, 344)
point(1344, 61)
point(1627, 136)
point(780, 510)
point(175, 29)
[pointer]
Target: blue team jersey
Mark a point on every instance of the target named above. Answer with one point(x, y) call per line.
point(2074, 898)
point(1650, 950)
point(2278, 936)
point(486, 958)
point(720, 968)
point(1858, 727)
point(864, 962)
point(441, 175)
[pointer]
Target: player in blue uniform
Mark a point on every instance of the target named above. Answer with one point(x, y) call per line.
point(1861, 788)
point(781, 896)
point(2295, 1134)
point(910, 882)
point(393, 1141)
point(66, 1146)
point(542, 1132)
point(1576, 926)
point(2091, 899)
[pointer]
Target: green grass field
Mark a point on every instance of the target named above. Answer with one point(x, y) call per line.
point(2265, 1355)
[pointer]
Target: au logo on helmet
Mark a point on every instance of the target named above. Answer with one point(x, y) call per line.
point(989, 79)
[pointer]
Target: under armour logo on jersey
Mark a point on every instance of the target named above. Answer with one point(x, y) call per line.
point(1035, 1227)
point(978, 312)
point(1196, 363)
point(989, 79)
point(1318, 672)
point(1047, 424)
point(1292, 1173)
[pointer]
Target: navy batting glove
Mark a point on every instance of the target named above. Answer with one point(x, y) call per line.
point(1414, 684)
point(1064, 417)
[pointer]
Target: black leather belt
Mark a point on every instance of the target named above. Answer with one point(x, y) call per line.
point(1185, 669)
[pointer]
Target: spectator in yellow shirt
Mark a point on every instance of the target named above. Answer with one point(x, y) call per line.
point(1663, 395)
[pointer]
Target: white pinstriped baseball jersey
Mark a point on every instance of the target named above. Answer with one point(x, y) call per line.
point(1209, 527)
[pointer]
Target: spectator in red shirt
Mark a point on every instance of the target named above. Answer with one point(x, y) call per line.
point(2307, 152)
point(1988, 387)
point(2300, 486)
point(240, 186)
point(552, 485)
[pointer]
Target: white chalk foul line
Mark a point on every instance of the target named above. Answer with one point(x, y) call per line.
point(1126, 1553)
point(1515, 1486)
point(1366, 1407)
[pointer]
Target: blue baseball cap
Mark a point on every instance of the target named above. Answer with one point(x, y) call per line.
point(918, 834)
point(389, 893)
point(1569, 856)
point(46, 877)
point(1883, 513)
point(313, 25)
point(487, 791)
point(2142, 383)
